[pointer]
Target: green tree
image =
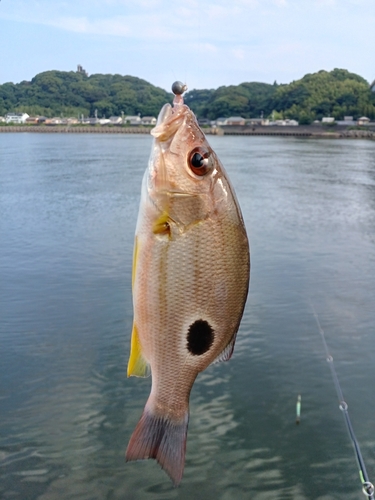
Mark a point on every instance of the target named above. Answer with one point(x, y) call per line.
point(336, 93)
point(53, 93)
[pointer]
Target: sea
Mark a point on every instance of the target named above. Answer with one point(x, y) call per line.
point(68, 210)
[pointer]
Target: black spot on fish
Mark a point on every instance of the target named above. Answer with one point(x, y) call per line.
point(200, 337)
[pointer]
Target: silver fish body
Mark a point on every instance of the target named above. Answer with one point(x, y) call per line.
point(190, 281)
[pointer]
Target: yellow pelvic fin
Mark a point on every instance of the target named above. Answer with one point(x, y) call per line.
point(137, 365)
point(162, 225)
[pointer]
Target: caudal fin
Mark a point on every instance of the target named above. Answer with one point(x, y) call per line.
point(163, 439)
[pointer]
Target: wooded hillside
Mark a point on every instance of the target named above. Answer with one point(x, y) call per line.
point(56, 93)
point(337, 93)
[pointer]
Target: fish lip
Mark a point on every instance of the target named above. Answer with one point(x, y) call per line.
point(164, 114)
point(170, 120)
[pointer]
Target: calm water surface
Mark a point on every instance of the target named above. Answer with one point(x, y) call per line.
point(68, 208)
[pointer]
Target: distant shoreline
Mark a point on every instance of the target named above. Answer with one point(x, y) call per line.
point(75, 129)
point(307, 131)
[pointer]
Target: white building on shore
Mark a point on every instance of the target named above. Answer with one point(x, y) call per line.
point(16, 117)
point(133, 120)
point(363, 120)
point(148, 120)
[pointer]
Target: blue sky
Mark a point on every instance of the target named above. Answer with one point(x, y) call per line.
point(202, 42)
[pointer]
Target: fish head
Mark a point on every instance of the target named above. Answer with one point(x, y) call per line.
point(185, 179)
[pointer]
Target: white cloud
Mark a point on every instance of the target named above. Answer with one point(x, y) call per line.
point(218, 11)
point(325, 2)
point(78, 24)
point(239, 53)
point(209, 47)
point(248, 3)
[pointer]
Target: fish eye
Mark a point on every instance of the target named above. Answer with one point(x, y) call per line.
point(199, 161)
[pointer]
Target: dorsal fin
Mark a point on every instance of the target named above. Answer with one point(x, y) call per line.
point(135, 259)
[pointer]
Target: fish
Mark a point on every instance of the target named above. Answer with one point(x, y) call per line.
point(190, 280)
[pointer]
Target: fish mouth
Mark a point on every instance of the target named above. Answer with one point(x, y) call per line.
point(169, 121)
point(165, 112)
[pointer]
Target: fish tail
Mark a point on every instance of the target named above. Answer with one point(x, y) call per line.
point(162, 438)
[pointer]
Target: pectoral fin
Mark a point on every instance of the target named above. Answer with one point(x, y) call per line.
point(137, 365)
point(227, 352)
point(162, 225)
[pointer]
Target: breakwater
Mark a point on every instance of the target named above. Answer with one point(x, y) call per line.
point(75, 129)
point(311, 131)
point(300, 131)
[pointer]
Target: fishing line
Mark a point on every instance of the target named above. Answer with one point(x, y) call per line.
point(367, 486)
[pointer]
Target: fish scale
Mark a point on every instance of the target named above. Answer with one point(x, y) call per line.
point(190, 281)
